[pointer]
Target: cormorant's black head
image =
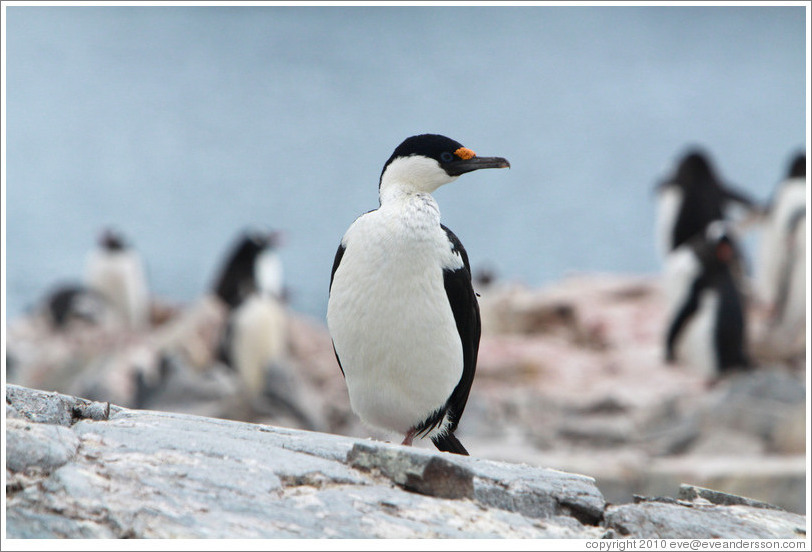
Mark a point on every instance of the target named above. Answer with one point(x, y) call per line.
point(425, 162)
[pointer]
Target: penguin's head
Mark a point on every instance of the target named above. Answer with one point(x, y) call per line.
point(797, 168)
point(111, 239)
point(259, 239)
point(423, 163)
point(695, 170)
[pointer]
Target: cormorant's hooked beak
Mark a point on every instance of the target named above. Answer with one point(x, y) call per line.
point(462, 166)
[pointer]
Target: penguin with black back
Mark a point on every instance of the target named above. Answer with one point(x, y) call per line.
point(71, 302)
point(252, 263)
point(693, 197)
point(707, 314)
point(402, 311)
point(254, 341)
point(251, 270)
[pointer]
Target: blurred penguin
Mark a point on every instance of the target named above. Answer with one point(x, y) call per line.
point(70, 303)
point(115, 270)
point(252, 264)
point(706, 311)
point(255, 338)
point(250, 284)
point(781, 266)
point(691, 198)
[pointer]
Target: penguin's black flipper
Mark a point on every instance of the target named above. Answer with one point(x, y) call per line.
point(737, 196)
point(449, 443)
point(687, 310)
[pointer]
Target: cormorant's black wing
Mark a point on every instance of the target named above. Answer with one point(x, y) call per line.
point(462, 298)
point(336, 262)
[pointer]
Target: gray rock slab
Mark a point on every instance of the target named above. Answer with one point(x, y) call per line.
point(680, 520)
point(53, 408)
point(534, 492)
point(692, 492)
point(137, 474)
point(86, 470)
point(27, 524)
point(45, 446)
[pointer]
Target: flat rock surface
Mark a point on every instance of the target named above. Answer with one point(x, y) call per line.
point(78, 469)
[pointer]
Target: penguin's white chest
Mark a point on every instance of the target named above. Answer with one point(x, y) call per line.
point(390, 318)
point(259, 339)
point(778, 248)
point(696, 347)
point(120, 278)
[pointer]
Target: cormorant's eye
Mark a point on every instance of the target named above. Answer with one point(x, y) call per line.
point(446, 157)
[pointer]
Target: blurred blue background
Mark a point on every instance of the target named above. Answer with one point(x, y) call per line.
point(183, 125)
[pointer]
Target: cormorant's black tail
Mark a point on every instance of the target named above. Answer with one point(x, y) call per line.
point(449, 443)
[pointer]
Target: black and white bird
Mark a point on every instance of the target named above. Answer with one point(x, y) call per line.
point(251, 264)
point(706, 310)
point(71, 302)
point(781, 263)
point(115, 270)
point(691, 198)
point(255, 338)
point(250, 284)
point(402, 311)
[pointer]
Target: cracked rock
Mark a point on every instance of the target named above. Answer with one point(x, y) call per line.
point(424, 473)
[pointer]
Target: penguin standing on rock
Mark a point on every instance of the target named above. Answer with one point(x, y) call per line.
point(255, 339)
point(690, 199)
point(402, 311)
point(115, 270)
point(706, 330)
point(781, 267)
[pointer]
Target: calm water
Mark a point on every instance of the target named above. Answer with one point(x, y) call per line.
point(181, 126)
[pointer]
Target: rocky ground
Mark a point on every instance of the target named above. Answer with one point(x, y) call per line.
point(79, 469)
point(570, 377)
